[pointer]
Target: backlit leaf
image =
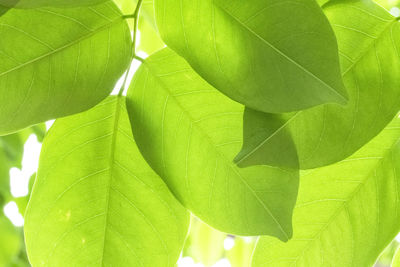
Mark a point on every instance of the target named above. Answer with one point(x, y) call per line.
point(96, 201)
point(189, 132)
point(346, 213)
point(63, 66)
point(369, 45)
point(271, 55)
point(44, 3)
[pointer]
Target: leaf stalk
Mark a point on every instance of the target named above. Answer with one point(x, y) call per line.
point(135, 16)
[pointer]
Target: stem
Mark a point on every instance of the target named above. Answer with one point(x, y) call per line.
point(139, 58)
point(135, 16)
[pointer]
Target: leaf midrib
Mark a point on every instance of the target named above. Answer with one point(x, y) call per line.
point(343, 98)
point(349, 199)
point(299, 112)
point(84, 37)
point(280, 227)
point(111, 170)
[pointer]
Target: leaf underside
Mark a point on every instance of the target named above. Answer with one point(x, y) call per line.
point(65, 72)
point(254, 52)
point(189, 133)
point(347, 213)
point(370, 61)
point(96, 201)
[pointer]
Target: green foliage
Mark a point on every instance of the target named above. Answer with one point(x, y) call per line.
point(354, 207)
point(79, 213)
point(369, 41)
point(9, 241)
point(61, 73)
point(277, 73)
point(263, 118)
point(189, 132)
point(46, 3)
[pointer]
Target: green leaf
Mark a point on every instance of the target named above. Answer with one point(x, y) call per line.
point(22, 202)
point(346, 213)
point(65, 72)
point(388, 4)
point(149, 42)
point(326, 134)
point(271, 55)
point(10, 241)
point(189, 132)
point(322, 2)
point(40, 131)
point(96, 201)
point(12, 146)
point(45, 3)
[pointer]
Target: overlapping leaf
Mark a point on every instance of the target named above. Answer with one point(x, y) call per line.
point(46, 3)
point(96, 201)
point(369, 45)
point(274, 56)
point(347, 213)
point(189, 133)
point(56, 62)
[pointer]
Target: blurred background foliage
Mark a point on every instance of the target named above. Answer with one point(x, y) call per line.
point(205, 246)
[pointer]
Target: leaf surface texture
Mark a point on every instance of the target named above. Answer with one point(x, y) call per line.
point(96, 201)
point(189, 132)
point(369, 47)
point(271, 55)
point(64, 66)
point(346, 213)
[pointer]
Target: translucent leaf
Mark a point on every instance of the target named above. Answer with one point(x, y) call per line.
point(96, 201)
point(271, 55)
point(369, 41)
point(46, 3)
point(189, 132)
point(346, 213)
point(63, 66)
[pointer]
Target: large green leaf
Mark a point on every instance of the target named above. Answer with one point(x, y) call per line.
point(10, 241)
point(189, 133)
point(347, 213)
point(369, 41)
point(96, 201)
point(61, 67)
point(44, 3)
point(271, 55)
